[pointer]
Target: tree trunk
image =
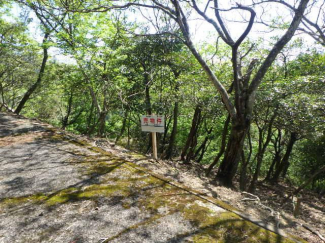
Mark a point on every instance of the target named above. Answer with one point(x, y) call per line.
point(243, 173)
point(169, 150)
point(284, 164)
point(203, 152)
point(2, 97)
point(65, 119)
point(31, 90)
point(229, 164)
point(90, 128)
point(285, 170)
point(163, 142)
point(245, 162)
point(222, 147)
point(191, 136)
point(202, 148)
point(277, 156)
point(147, 101)
point(123, 127)
point(147, 94)
point(259, 158)
point(101, 122)
point(261, 151)
point(129, 137)
point(2, 92)
point(102, 117)
point(191, 150)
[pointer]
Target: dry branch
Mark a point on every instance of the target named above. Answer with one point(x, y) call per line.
point(314, 231)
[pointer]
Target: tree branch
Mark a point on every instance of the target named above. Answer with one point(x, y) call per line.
point(223, 27)
point(213, 23)
point(275, 51)
point(249, 26)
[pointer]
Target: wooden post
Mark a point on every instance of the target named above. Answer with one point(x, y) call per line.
point(154, 145)
point(296, 206)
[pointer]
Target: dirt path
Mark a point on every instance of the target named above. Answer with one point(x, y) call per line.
point(55, 187)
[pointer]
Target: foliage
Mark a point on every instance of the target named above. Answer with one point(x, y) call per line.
point(119, 72)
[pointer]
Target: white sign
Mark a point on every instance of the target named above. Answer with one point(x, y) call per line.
point(152, 123)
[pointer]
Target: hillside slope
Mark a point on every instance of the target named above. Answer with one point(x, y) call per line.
point(57, 187)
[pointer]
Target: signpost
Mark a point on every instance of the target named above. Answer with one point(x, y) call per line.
point(153, 124)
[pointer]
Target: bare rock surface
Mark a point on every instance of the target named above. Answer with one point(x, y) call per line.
point(57, 187)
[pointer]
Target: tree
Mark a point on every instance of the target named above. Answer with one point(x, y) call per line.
point(32, 88)
point(121, 74)
point(296, 98)
point(19, 55)
point(240, 110)
point(47, 29)
point(240, 104)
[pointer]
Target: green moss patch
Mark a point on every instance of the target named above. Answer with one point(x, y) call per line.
point(70, 195)
point(10, 202)
point(101, 168)
point(137, 156)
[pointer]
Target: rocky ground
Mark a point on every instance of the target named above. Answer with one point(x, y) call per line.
point(268, 209)
point(309, 224)
point(59, 187)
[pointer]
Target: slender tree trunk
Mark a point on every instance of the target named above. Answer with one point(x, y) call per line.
point(163, 142)
point(2, 97)
point(90, 128)
point(229, 164)
point(169, 151)
point(193, 131)
point(285, 169)
point(147, 94)
point(2, 92)
point(259, 158)
point(222, 147)
point(243, 173)
point(102, 118)
point(129, 137)
point(244, 165)
point(94, 104)
point(203, 152)
point(101, 122)
point(202, 148)
point(31, 90)
point(104, 111)
point(123, 127)
point(277, 156)
point(146, 81)
point(284, 164)
point(65, 119)
point(261, 151)
point(276, 160)
point(191, 150)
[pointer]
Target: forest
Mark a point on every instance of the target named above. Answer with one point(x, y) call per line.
point(241, 85)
